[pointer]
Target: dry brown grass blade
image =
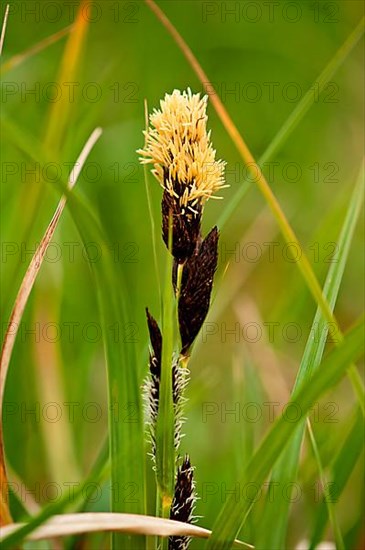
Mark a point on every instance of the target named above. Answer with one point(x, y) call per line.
point(89, 522)
point(247, 157)
point(17, 59)
point(21, 301)
point(5, 516)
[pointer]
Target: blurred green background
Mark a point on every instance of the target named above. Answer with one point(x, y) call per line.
point(262, 57)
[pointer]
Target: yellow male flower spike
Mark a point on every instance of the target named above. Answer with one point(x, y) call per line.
point(178, 145)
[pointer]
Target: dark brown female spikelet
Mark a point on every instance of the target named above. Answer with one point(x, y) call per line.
point(183, 502)
point(156, 340)
point(152, 385)
point(196, 288)
point(185, 227)
point(180, 377)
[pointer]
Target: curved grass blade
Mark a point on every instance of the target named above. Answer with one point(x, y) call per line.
point(233, 513)
point(275, 516)
point(91, 522)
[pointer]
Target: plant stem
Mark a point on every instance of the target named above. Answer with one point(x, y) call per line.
point(180, 269)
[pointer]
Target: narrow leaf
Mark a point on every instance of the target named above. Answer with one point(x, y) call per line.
point(342, 468)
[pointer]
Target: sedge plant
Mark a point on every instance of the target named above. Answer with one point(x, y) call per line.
point(179, 148)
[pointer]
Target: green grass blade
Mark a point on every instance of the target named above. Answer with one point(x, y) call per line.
point(153, 229)
point(313, 352)
point(165, 448)
point(342, 468)
point(127, 449)
point(150, 212)
point(275, 515)
point(331, 511)
point(233, 513)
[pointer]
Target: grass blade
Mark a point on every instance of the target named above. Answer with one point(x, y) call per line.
point(150, 211)
point(275, 516)
point(43, 44)
point(165, 448)
point(233, 514)
point(72, 524)
point(331, 511)
point(57, 122)
point(342, 468)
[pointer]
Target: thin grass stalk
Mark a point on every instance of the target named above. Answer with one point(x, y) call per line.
point(330, 507)
point(165, 449)
point(20, 58)
point(349, 452)
point(150, 212)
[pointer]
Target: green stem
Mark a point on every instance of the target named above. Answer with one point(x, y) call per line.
point(180, 269)
point(165, 448)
